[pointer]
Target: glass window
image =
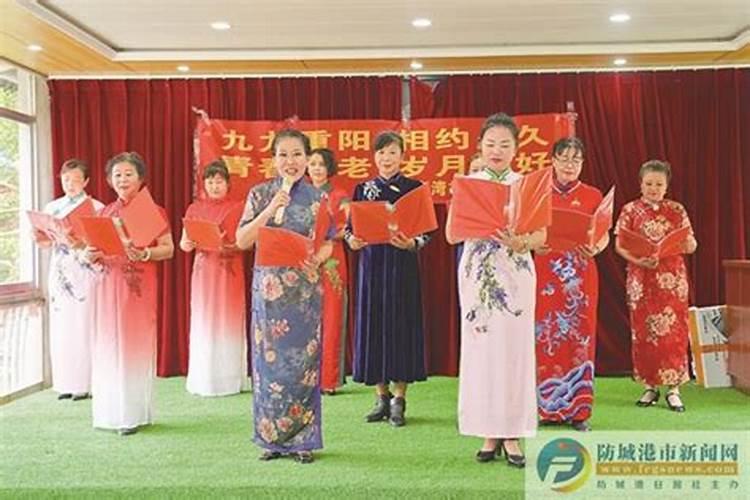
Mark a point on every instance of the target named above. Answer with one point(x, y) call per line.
point(16, 250)
point(15, 89)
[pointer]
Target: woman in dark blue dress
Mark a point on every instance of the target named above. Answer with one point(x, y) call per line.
point(388, 337)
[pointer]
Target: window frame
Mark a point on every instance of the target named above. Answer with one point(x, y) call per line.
point(31, 288)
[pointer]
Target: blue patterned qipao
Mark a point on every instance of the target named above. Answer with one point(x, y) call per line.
point(286, 304)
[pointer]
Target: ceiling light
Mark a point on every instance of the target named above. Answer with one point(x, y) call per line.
point(421, 22)
point(620, 17)
point(183, 68)
point(416, 65)
point(34, 48)
point(620, 61)
point(221, 25)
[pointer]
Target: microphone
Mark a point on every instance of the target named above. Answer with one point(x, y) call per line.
point(286, 186)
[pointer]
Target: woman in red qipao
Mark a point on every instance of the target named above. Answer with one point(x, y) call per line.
point(657, 289)
point(567, 293)
point(320, 168)
point(218, 347)
point(124, 349)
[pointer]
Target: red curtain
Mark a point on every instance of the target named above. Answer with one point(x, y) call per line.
point(95, 119)
point(697, 120)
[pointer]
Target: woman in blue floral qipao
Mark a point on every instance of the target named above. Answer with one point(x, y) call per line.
point(286, 305)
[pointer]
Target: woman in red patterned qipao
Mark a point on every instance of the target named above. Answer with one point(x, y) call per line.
point(657, 290)
point(567, 294)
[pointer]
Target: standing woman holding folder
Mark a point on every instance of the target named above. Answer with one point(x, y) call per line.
point(657, 289)
point(71, 305)
point(388, 336)
point(321, 167)
point(497, 289)
point(286, 305)
point(124, 354)
point(218, 347)
point(567, 297)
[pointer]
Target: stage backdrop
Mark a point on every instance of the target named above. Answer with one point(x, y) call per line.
point(436, 149)
point(699, 120)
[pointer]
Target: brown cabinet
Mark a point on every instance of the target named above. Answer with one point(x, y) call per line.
point(737, 287)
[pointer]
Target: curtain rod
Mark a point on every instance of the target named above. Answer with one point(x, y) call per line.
point(405, 74)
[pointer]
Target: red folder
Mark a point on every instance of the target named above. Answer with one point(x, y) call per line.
point(73, 218)
point(205, 234)
point(47, 225)
point(279, 247)
point(572, 228)
point(641, 246)
point(480, 207)
point(143, 220)
point(532, 202)
point(101, 233)
point(377, 221)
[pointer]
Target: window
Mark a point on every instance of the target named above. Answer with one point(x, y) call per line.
point(22, 309)
point(17, 254)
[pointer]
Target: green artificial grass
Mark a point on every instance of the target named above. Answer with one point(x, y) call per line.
point(201, 448)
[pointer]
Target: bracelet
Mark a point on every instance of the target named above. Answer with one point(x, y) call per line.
point(146, 254)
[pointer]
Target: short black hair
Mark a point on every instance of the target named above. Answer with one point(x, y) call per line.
point(656, 166)
point(73, 164)
point(216, 167)
point(128, 157)
point(388, 137)
point(566, 143)
point(500, 120)
point(291, 133)
point(328, 159)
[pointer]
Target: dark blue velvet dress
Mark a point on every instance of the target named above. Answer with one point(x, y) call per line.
point(388, 335)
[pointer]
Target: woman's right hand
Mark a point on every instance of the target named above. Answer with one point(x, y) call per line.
point(92, 254)
point(356, 243)
point(280, 199)
point(187, 245)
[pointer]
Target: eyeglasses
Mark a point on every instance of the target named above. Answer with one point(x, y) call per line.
point(570, 161)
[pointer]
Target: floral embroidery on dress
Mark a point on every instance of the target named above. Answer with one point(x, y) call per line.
point(370, 190)
point(492, 293)
point(563, 326)
point(331, 270)
point(658, 325)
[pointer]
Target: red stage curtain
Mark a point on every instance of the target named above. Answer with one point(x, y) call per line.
point(697, 120)
point(95, 119)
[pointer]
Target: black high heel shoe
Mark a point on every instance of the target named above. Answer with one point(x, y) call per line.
point(484, 456)
point(679, 408)
point(518, 461)
point(648, 402)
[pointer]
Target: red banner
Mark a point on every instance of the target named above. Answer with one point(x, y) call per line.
point(436, 149)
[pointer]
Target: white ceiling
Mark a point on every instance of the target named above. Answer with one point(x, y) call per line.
point(285, 29)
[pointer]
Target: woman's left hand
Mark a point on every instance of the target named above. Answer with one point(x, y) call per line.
point(399, 240)
point(587, 251)
point(311, 264)
point(517, 243)
point(135, 254)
